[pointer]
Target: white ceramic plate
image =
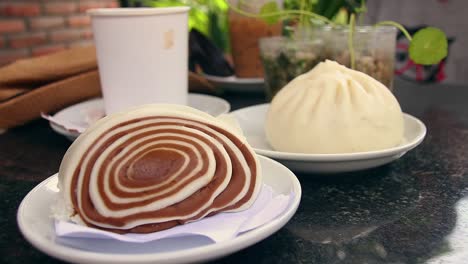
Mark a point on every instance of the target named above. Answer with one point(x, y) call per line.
point(252, 121)
point(78, 114)
point(37, 227)
point(237, 84)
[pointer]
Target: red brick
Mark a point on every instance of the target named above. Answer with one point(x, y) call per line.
point(113, 4)
point(12, 25)
point(2, 42)
point(20, 9)
point(65, 35)
point(8, 56)
point(87, 34)
point(60, 8)
point(79, 21)
point(46, 22)
point(85, 5)
point(27, 40)
point(38, 51)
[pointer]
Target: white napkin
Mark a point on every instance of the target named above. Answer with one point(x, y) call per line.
point(218, 228)
point(64, 124)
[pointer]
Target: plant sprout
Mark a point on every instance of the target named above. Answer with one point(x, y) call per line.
point(427, 46)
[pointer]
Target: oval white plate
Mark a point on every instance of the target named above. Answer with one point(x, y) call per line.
point(237, 84)
point(252, 121)
point(37, 227)
point(77, 114)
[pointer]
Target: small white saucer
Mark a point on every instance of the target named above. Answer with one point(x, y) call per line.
point(237, 84)
point(81, 115)
point(37, 227)
point(252, 121)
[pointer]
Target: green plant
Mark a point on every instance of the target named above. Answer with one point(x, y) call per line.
point(427, 46)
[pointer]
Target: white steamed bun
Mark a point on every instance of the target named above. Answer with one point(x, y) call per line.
point(333, 109)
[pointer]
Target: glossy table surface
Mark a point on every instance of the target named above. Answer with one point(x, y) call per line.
point(414, 210)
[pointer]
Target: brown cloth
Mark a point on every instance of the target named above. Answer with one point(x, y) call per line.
point(52, 82)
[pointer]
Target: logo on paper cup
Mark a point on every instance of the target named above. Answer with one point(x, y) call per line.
point(168, 39)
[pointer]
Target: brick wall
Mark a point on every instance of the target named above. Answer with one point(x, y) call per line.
point(37, 27)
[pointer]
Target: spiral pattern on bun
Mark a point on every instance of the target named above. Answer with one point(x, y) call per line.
point(154, 167)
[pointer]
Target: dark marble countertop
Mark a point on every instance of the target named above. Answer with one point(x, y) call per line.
point(414, 210)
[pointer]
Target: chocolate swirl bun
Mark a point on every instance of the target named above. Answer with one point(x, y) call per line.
point(155, 167)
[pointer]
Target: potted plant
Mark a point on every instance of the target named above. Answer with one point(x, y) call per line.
point(244, 34)
point(332, 29)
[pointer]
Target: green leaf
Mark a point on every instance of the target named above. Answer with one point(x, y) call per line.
point(428, 46)
point(268, 12)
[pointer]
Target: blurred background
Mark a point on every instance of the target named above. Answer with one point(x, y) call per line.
point(37, 27)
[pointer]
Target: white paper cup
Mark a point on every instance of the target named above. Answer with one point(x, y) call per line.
point(142, 55)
